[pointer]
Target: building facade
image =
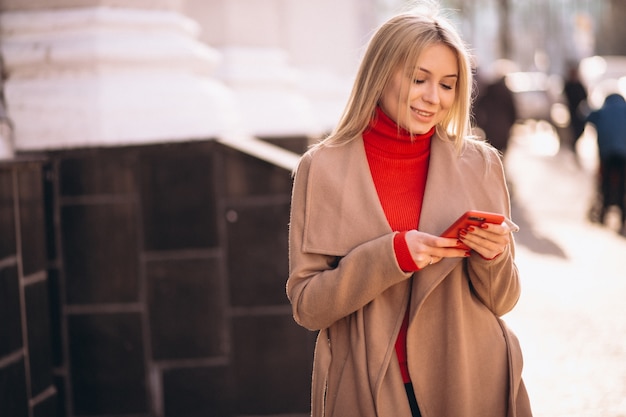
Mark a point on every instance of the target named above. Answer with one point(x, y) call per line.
point(145, 184)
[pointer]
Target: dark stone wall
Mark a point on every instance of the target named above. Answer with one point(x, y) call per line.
point(160, 285)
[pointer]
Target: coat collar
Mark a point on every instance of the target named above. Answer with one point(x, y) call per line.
point(346, 210)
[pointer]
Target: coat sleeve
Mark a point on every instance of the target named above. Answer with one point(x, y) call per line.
point(496, 282)
point(324, 288)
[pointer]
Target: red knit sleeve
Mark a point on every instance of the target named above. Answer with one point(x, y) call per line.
point(403, 255)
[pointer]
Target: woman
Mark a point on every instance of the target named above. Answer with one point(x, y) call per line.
point(409, 323)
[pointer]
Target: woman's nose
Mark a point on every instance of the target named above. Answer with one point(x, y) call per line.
point(431, 94)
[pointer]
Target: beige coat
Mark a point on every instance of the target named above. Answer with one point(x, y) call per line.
point(345, 281)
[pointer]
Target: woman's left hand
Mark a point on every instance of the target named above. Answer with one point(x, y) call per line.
point(489, 240)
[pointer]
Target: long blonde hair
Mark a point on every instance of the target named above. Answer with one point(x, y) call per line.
point(399, 42)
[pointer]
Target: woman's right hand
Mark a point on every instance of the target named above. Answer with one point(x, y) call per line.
point(427, 249)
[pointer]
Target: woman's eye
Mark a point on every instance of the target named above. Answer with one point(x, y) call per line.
point(445, 86)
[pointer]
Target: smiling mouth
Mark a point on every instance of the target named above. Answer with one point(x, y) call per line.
point(423, 113)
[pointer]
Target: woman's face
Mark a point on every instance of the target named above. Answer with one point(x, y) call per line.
point(419, 100)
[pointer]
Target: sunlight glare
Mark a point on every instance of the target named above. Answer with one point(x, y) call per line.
point(542, 138)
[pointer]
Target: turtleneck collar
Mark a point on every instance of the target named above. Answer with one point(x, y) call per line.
point(387, 137)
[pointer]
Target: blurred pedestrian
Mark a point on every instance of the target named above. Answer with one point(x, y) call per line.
point(408, 322)
point(610, 125)
point(495, 111)
point(576, 96)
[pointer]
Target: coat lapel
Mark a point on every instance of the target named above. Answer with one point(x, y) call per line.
point(441, 203)
point(349, 212)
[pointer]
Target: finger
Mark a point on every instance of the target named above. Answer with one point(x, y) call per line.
point(494, 233)
point(484, 241)
point(425, 261)
point(488, 249)
point(444, 242)
point(450, 252)
point(504, 228)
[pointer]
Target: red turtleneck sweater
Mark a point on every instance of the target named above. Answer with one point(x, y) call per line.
point(399, 166)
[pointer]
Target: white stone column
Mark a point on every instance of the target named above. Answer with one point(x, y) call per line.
point(290, 63)
point(267, 91)
point(106, 76)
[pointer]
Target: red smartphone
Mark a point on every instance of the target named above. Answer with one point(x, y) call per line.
point(471, 218)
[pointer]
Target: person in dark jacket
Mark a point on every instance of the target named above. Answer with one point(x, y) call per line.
point(496, 113)
point(610, 125)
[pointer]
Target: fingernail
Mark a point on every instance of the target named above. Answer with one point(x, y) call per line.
point(484, 225)
point(471, 229)
point(467, 254)
point(463, 232)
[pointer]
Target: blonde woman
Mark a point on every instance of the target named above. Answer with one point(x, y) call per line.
point(409, 323)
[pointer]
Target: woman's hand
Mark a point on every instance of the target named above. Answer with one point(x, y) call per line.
point(427, 249)
point(488, 240)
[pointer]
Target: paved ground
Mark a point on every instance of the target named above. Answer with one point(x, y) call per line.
point(571, 319)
